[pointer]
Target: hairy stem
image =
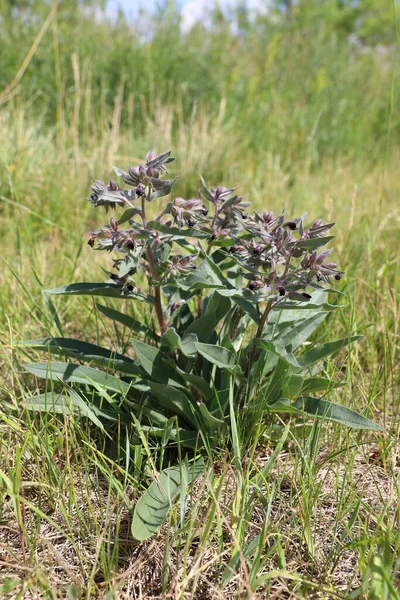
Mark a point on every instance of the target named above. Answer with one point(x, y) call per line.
point(157, 288)
point(260, 328)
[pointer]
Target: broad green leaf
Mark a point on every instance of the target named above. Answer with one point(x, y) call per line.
point(171, 340)
point(98, 289)
point(63, 404)
point(203, 277)
point(278, 350)
point(72, 373)
point(128, 321)
point(174, 400)
point(219, 356)
point(85, 351)
point(156, 363)
point(317, 384)
point(276, 382)
point(293, 386)
point(296, 333)
point(198, 383)
point(319, 352)
point(247, 307)
point(204, 326)
point(152, 508)
point(323, 409)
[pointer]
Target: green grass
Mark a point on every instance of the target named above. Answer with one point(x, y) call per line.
point(311, 510)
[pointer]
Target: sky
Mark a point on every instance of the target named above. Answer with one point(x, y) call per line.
point(191, 10)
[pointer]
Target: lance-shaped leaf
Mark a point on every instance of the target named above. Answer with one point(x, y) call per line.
point(85, 351)
point(72, 373)
point(152, 508)
point(128, 321)
point(106, 290)
point(156, 364)
point(162, 187)
point(324, 350)
point(278, 350)
point(323, 409)
point(312, 244)
point(202, 278)
point(217, 355)
point(160, 160)
point(176, 232)
point(175, 401)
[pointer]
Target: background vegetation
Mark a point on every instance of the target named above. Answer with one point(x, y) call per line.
point(298, 108)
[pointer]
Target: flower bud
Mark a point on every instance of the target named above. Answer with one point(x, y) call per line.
point(176, 304)
point(316, 223)
point(113, 186)
point(91, 241)
point(114, 224)
point(255, 285)
point(291, 224)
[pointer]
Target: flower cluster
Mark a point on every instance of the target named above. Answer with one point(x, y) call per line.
point(275, 256)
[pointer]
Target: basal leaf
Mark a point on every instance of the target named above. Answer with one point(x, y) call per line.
point(319, 352)
point(98, 289)
point(128, 321)
point(152, 508)
point(323, 409)
point(71, 373)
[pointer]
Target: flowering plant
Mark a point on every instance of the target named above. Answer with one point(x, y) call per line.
point(234, 296)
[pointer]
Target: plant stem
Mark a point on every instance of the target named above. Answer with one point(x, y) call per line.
point(260, 328)
point(157, 292)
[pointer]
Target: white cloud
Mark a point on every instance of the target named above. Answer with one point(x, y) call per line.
point(194, 11)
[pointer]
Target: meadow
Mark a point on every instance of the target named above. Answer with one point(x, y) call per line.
point(302, 119)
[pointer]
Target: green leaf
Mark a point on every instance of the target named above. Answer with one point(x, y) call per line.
point(295, 333)
point(219, 356)
point(312, 244)
point(212, 422)
point(85, 351)
point(323, 409)
point(174, 400)
point(278, 350)
point(128, 321)
point(177, 232)
point(198, 383)
point(202, 278)
point(67, 405)
point(204, 327)
point(324, 350)
point(71, 373)
point(106, 290)
point(317, 384)
point(156, 363)
point(152, 508)
point(306, 306)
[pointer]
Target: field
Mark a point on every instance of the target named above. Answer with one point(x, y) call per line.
point(301, 120)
